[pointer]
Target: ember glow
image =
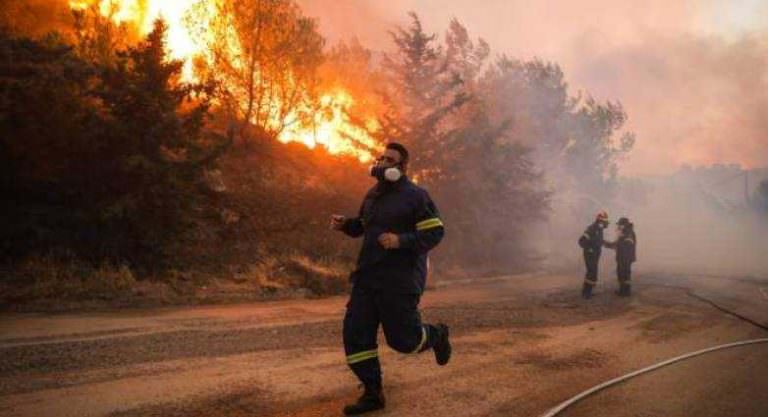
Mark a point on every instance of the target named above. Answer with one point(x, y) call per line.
point(330, 128)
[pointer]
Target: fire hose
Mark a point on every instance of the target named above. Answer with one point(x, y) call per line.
point(562, 406)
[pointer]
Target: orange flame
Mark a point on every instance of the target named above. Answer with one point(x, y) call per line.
point(335, 131)
point(331, 129)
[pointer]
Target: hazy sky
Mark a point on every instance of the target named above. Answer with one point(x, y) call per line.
point(692, 75)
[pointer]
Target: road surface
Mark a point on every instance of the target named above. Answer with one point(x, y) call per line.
point(522, 345)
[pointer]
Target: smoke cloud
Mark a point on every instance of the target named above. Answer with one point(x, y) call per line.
point(687, 224)
point(693, 78)
point(692, 75)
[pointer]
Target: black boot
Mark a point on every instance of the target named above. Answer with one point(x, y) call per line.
point(442, 346)
point(371, 400)
point(624, 290)
point(586, 291)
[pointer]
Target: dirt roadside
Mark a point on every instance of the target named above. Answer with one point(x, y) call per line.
point(522, 345)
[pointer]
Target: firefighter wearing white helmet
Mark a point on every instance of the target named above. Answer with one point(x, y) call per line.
point(591, 243)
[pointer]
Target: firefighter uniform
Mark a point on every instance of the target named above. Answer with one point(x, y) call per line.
point(626, 254)
point(592, 243)
point(387, 283)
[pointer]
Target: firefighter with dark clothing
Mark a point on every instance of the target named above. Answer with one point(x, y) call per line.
point(399, 225)
point(592, 243)
point(625, 246)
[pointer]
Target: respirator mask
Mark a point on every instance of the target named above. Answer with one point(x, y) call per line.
point(381, 173)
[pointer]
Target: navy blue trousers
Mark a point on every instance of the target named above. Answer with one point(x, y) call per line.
point(400, 319)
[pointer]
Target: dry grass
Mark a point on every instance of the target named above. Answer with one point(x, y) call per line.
point(295, 271)
point(50, 277)
point(50, 283)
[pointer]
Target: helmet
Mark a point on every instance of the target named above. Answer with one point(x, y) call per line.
point(623, 222)
point(602, 217)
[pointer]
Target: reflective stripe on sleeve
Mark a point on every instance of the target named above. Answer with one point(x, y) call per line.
point(429, 224)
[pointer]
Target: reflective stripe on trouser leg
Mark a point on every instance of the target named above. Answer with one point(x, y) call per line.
point(362, 356)
point(423, 341)
point(366, 367)
point(361, 324)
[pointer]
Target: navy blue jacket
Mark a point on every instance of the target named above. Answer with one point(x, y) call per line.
point(592, 240)
point(625, 247)
point(405, 209)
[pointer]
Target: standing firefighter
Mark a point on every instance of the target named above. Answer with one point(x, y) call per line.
point(592, 243)
point(399, 224)
point(625, 246)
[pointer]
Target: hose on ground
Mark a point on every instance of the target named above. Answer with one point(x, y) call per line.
point(573, 400)
point(689, 292)
point(562, 406)
point(725, 310)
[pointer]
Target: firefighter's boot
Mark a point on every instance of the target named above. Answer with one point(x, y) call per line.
point(625, 290)
point(442, 345)
point(371, 400)
point(586, 291)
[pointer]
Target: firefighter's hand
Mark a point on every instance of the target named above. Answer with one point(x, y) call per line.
point(389, 240)
point(337, 221)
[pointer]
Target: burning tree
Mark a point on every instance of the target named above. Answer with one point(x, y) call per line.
point(265, 55)
point(349, 70)
point(109, 157)
point(476, 128)
point(34, 18)
point(97, 38)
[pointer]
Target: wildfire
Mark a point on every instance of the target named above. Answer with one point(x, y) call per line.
point(142, 13)
point(331, 129)
point(336, 132)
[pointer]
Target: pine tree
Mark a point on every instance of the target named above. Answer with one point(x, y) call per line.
point(422, 93)
point(46, 124)
point(484, 182)
point(103, 159)
point(156, 142)
point(576, 140)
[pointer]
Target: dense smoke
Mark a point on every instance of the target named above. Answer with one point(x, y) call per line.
point(693, 79)
point(693, 100)
point(691, 222)
point(692, 74)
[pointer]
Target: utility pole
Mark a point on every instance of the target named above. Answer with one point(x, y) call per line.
point(746, 187)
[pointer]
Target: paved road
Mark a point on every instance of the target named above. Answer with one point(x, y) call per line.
point(727, 383)
point(522, 345)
